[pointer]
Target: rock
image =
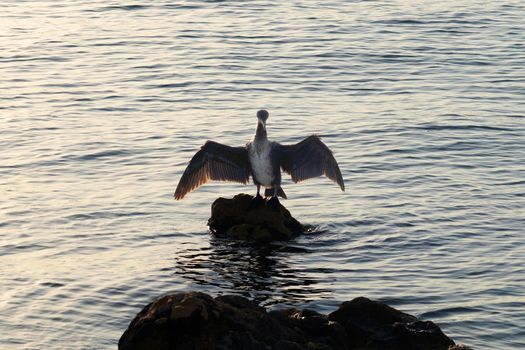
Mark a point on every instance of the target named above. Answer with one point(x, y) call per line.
point(459, 347)
point(195, 320)
point(373, 325)
point(237, 218)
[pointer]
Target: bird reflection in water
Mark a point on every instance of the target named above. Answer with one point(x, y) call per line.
point(265, 273)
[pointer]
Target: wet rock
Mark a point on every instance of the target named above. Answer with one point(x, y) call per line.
point(197, 321)
point(459, 347)
point(238, 218)
point(373, 325)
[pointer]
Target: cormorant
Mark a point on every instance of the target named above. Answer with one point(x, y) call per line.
point(261, 159)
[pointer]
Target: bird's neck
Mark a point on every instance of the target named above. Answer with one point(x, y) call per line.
point(260, 132)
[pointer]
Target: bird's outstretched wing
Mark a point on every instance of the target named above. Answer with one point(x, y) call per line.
point(214, 161)
point(307, 159)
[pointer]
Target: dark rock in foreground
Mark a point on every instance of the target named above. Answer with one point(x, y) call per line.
point(237, 218)
point(197, 321)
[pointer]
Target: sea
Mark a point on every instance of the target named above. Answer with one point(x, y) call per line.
point(103, 103)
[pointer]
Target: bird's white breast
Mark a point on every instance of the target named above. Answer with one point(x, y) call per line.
point(259, 154)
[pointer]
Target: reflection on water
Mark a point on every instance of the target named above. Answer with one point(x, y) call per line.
point(103, 104)
point(257, 271)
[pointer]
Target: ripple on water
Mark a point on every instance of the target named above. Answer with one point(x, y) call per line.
point(420, 103)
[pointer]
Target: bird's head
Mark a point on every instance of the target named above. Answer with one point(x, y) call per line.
point(262, 115)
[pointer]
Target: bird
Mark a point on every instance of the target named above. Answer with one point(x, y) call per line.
point(261, 159)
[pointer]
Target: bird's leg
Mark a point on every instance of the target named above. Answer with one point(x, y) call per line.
point(258, 200)
point(274, 201)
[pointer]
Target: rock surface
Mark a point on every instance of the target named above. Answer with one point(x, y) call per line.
point(195, 320)
point(237, 218)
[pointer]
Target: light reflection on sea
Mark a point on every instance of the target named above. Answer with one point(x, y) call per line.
point(103, 104)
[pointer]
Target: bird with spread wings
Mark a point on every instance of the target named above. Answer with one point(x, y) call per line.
point(262, 160)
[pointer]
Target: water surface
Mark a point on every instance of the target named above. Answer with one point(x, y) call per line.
point(103, 103)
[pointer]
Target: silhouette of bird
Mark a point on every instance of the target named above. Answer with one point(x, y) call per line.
point(261, 159)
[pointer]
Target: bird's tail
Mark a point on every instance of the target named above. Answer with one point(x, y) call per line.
point(268, 192)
